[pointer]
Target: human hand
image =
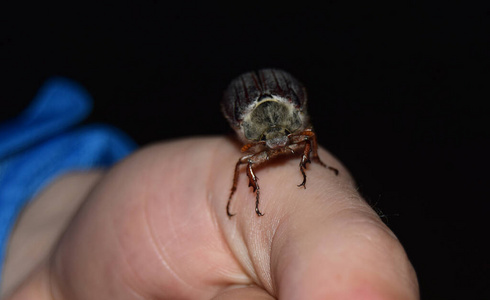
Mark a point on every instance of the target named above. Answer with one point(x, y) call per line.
point(156, 227)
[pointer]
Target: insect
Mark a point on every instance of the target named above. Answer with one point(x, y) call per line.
point(267, 109)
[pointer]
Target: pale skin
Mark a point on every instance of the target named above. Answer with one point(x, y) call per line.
point(155, 227)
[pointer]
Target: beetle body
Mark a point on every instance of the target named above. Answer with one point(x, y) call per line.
point(267, 109)
point(267, 105)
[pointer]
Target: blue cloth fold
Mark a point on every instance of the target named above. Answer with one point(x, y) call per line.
point(43, 143)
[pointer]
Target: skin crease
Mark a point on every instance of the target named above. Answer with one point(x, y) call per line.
point(155, 227)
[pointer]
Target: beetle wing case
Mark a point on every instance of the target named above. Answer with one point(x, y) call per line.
point(245, 91)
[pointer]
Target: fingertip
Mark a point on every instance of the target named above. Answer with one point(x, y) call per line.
point(355, 257)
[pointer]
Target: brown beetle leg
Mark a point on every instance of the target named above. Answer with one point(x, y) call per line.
point(241, 161)
point(314, 147)
point(253, 183)
point(304, 160)
point(308, 136)
point(247, 159)
point(247, 147)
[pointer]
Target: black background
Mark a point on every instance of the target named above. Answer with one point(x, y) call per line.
point(396, 91)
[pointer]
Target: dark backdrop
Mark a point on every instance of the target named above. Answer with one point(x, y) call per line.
point(396, 92)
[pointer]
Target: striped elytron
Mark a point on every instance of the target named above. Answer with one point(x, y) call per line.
point(267, 109)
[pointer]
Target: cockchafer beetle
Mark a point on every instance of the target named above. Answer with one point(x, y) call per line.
point(267, 109)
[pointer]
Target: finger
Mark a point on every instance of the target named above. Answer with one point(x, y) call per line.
point(146, 231)
point(324, 242)
point(341, 251)
point(42, 222)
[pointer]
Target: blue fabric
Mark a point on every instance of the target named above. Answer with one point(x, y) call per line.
point(43, 143)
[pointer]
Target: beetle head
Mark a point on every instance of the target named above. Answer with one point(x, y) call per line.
point(276, 138)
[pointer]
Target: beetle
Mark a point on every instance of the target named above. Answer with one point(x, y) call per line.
point(267, 110)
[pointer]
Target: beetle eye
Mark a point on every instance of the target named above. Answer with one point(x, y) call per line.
point(262, 137)
point(287, 132)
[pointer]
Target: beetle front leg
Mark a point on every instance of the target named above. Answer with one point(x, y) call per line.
point(253, 183)
point(241, 161)
point(250, 160)
point(308, 137)
point(314, 149)
point(304, 160)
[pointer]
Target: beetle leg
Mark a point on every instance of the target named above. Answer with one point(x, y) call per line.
point(253, 183)
point(247, 159)
point(308, 137)
point(247, 147)
point(304, 160)
point(241, 161)
point(314, 148)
